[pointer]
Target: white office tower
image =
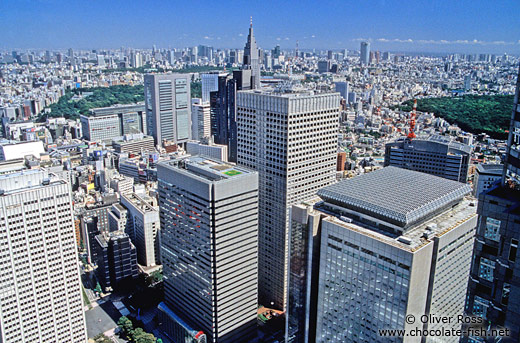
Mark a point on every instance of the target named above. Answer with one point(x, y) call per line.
point(290, 138)
point(394, 242)
point(143, 228)
point(200, 119)
point(40, 292)
point(168, 107)
point(209, 249)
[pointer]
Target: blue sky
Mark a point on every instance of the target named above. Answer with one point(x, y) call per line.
point(395, 25)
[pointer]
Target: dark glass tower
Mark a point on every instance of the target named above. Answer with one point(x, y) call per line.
point(494, 286)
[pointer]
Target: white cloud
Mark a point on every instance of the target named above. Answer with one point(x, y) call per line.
point(240, 35)
point(278, 38)
point(313, 36)
point(207, 37)
point(286, 38)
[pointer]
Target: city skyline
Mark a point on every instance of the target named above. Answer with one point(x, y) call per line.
point(406, 27)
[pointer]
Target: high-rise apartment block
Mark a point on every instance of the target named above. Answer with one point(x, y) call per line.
point(168, 107)
point(40, 287)
point(372, 250)
point(290, 139)
point(494, 286)
point(209, 248)
point(436, 155)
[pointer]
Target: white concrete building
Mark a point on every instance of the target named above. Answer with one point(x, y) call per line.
point(291, 140)
point(200, 119)
point(40, 287)
point(143, 228)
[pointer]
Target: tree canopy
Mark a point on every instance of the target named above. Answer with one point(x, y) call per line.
point(473, 113)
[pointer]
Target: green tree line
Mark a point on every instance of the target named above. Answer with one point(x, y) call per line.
point(472, 113)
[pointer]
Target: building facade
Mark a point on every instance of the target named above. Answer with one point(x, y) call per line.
point(200, 119)
point(209, 247)
point(436, 155)
point(143, 228)
point(107, 123)
point(252, 58)
point(383, 253)
point(168, 107)
point(364, 53)
point(290, 139)
point(40, 287)
point(486, 175)
point(494, 285)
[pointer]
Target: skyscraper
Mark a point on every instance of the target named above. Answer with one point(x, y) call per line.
point(364, 53)
point(512, 161)
point(223, 108)
point(40, 287)
point(168, 112)
point(436, 155)
point(143, 228)
point(251, 58)
point(200, 119)
point(291, 140)
point(371, 250)
point(209, 248)
point(494, 285)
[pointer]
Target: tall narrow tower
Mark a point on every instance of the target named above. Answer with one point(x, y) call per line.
point(251, 57)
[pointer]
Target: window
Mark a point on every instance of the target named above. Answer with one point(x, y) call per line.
point(505, 293)
point(480, 306)
point(513, 249)
point(486, 269)
point(492, 230)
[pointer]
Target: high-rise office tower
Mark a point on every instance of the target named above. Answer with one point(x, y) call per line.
point(168, 107)
point(494, 286)
point(209, 249)
point(223, 109)
point(40, 287)
point(116, 259)
point(342, 87)
point(290, 138)
point(436, 155)
point(376, 248)
point(143, 228)
point(251, 58)
point(209, 83)
point(200, 119)
point(364, 53)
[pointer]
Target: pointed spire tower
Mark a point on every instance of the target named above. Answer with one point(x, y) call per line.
point(251, 57)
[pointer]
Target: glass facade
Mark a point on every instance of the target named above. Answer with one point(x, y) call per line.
point(492, 230)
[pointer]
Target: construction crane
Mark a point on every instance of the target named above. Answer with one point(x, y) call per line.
point(411, 134)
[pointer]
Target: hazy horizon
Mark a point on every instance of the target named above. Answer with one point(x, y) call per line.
point(408, 26)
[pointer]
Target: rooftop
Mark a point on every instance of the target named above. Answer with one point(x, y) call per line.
point(398, 196)
point(443, 223)
point(207, 168)
point(426, 142)
point(494, 169)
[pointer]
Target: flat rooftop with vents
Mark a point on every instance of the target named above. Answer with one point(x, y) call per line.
point(395, 198)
